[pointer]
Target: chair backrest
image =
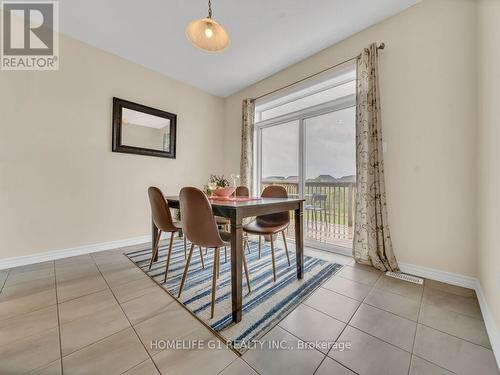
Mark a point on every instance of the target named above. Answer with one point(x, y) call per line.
point(274, 191)
point(159, 210)
point(198, 222)
point(242, 191)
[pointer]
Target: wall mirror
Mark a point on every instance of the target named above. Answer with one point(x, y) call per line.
point(142, 130)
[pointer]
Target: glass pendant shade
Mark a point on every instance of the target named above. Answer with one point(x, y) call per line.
point(207, 35)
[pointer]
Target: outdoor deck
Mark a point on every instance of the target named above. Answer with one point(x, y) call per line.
point(328, 211)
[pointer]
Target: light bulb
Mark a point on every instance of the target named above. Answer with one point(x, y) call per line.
point(209, 32)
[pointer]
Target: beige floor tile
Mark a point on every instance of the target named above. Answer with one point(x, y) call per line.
point(403, 288)
point(359, 275)
point(452, 353)
point(41, 275)
point(91, 328)
point(29, 286)
point(79, 259)
point(420, 366)
point(296, 359)
point(199, 361)
point(32, 267)
point(68, 272)
point(348, 288)
point(369, 355)
point(147, 305)
point(313, 326)
point(238, 367)
point(394, 303)
point(133, 289)
point(21, 326)
point(464, 292)
point(89, 304)
point(144, 368)
point(122, 276)
point(114, 263)
point(364, 267)
point(386, 326)
point(336, 305)
point(54, 368)
point(330, 367)
point(113, 355)
point(463, 305)
point(29, 353)
point(75, 288)
point(14, 303)
point(459, 325)
point(171, 324)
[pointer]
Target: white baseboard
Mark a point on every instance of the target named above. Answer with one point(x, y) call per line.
point(439, 275)
point(70, 252)
point(466, 282)
point(489, 322)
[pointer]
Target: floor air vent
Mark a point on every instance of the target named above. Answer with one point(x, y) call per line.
point(405, 277)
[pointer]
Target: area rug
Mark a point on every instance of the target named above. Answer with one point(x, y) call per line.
point(267, 304)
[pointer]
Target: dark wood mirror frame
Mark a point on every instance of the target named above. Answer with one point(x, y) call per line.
point(118, 105)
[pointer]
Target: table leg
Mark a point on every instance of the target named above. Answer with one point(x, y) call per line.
point(299, 239)
point(236, 264)
point(154, 234)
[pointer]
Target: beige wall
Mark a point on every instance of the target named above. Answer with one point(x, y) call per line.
point(428, 88)
point(488, 161)
point(60, 184)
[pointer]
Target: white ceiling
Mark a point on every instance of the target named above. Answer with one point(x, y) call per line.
point(266, 35)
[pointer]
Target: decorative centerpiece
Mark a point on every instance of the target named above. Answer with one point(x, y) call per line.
point(219, 186)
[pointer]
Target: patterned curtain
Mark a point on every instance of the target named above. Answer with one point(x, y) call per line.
point(247, 129)
point(372, 240)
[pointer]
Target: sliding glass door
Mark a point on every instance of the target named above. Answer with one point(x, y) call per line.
point(312, 154)
point(330, 177)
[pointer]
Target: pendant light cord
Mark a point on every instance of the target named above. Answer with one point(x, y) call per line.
point(209, 8)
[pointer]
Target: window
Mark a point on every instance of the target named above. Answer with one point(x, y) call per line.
point(305, 141)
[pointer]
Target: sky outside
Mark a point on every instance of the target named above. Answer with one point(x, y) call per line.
point(330, 146)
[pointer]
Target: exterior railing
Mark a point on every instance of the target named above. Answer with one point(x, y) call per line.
point(328, 208)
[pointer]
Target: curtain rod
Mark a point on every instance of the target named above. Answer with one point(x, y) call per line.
point(381, 46)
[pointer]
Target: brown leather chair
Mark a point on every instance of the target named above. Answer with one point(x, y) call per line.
point(163, 220)
point(200, 227)
point(269, 225)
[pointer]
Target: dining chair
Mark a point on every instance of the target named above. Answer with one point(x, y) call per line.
point(163, 220)
point(200, 227)
point(269, 225)
point(225, 223)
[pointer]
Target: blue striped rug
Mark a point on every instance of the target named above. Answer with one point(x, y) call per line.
point(263, 308)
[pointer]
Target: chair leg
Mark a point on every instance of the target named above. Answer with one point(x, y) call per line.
point(169, 255)
point(202, 261)
point(218, 262)
point(225, 254)
point(246, 272)
point(260, 244)
point(272, 256)
point(186, 270)
point(155, 249)
point(286, 246)
point(214, 282)
point(185, 246)
point(247, 245)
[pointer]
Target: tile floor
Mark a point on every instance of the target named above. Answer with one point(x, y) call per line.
point(97, 314)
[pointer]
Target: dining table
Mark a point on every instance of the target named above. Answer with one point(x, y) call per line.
point(238, 209)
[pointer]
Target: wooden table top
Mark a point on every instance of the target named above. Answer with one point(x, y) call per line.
point(249, 203)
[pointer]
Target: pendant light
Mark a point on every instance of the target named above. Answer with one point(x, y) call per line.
point(206, 34)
